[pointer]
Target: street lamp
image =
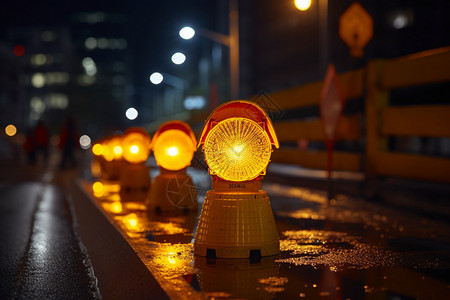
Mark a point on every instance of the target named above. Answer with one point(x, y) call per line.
point(187, 33)
point(231, 41)
point(156, 78)
point(302, 4)
point(178, 58)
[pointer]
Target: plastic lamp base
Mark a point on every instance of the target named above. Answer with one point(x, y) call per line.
point(236, 225)
point(172, 192)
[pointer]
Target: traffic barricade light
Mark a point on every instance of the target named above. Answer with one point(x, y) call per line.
point(173, 146)
point(236, 219)
point(135, 177)
point(112, 162)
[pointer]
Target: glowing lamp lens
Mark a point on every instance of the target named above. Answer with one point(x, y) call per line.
point(173, 150)
point(114, 150)
point(117, 150)
point(136, 147)
point(97, 149)
point(237, 149)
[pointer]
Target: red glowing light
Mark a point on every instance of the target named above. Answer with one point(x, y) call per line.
point(19, 50)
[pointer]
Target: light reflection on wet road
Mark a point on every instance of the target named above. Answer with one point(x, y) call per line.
point(346, 249)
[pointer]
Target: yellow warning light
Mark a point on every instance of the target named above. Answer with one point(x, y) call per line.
point(97, 187)
point(237, 149)
point(236, 219)
point(136, 145)
point(135, 177)
point(97, 149)
point(115, 144)
point(174, 145)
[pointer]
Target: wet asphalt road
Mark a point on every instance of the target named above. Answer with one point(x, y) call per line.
point(40, 254)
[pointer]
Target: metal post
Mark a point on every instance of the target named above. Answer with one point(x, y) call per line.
point(234, 49)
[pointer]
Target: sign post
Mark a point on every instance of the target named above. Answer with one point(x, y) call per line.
point(331, 105)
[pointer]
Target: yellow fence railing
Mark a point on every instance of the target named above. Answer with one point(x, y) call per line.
point(375, 123)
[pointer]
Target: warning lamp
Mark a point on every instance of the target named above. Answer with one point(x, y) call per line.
point(112, 162)
point(135, 178)
point(236, 219)
point(173, 146)
point(96, 163)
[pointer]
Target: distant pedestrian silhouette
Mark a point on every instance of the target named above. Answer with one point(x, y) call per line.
point(39, 142)
point(68, 141)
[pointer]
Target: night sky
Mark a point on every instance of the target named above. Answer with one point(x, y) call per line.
point(152, 26)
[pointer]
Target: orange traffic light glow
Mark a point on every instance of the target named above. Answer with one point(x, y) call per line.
point(237, 149)
point(136, 145)
point(174, 145)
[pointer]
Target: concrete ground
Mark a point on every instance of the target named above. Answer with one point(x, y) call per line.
point(347, 248)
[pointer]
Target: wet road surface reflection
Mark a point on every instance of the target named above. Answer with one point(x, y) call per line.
point(344, 249)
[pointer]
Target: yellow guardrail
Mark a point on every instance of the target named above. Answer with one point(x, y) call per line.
point(377, 122)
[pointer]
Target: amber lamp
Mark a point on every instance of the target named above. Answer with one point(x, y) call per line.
point(112, 160)
point(236, 219)
point(135, 177)
point(96, 163)
point(173, 146)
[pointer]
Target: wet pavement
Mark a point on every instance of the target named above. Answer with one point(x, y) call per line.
point(347, 248)
point(40, 253)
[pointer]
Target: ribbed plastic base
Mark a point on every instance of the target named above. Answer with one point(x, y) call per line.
point(236, 225)
point(172, 192)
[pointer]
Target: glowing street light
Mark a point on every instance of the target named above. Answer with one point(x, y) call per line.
point(131, 113)
point(173, 146)
point(302, 4)
point(231, 41)
point(156, 78)
point(178, 58)
point(187, 33)
point(236, 219)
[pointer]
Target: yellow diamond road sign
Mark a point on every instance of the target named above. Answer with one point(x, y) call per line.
point(356, 28)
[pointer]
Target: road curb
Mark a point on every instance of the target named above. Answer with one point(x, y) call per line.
point(120, 272)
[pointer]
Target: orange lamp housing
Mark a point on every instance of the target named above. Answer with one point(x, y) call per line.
point(96, 162)
point(173, 145)
point(135, 178)
point(112, 160)
point(236, 219)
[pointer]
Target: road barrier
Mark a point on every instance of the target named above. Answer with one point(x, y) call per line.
point(373, 122)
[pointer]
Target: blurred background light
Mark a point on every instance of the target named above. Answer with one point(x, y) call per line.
point(19, 50)
point(10, 130)
point(178, 58)
point(302, 4)
point(131, 113)
point(194, 102)
point(187, 33)
point(400, 21)
point(85, 142)
point(156, 78)
point(38, 80)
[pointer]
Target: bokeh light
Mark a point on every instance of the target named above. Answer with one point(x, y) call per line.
point(131, 113)
point(85, 141)
point(187, 33)
point(178, 58)
point(156, 78)
point(302, 4)
point(10, 130)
